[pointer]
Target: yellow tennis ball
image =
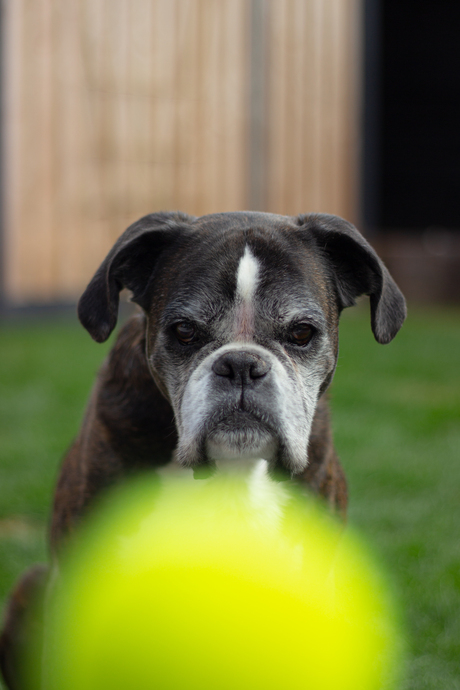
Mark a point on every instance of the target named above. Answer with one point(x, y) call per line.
point(197, 586)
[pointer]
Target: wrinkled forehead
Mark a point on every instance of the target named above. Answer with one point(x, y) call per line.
point(269, 272)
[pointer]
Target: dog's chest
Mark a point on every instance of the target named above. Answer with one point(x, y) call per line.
point(262, 498)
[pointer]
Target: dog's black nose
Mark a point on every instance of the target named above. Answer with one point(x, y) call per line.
point(241, 366)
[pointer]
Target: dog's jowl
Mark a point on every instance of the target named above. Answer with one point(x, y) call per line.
point(228, 360)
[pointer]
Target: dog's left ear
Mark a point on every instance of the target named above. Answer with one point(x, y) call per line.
point(130, 264)
point(358, 271)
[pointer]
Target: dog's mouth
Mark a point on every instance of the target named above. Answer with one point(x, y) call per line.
point(239, 419)
point(250, 440)
point(241, 435)
point(232, 433)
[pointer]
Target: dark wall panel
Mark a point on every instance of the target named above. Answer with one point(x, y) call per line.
point(420, 116)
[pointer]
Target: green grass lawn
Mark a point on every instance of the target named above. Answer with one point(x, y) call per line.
point(396, 413)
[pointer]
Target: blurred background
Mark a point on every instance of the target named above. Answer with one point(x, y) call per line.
point(111, 109)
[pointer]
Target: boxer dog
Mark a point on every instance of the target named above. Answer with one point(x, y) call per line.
point(229, 360)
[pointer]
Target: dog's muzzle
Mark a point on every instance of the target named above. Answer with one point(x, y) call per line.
point(238, 404)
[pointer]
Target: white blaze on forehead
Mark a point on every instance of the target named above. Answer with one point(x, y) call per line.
point(247, 276)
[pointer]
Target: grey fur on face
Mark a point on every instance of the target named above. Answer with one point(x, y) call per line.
point(242, 412)
point(239, 288)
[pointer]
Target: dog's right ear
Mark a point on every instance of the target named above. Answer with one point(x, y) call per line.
point(129, 264)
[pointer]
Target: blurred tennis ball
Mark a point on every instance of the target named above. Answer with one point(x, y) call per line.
point(188, 586)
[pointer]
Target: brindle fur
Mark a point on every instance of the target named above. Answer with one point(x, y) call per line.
point(129, 424)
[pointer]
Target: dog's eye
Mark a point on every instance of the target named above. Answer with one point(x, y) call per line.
point(184, 332)
point(302, 333)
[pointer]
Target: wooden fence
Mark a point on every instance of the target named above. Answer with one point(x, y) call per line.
point(115, 108)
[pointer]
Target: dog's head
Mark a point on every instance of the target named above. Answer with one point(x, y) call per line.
point(242, 319)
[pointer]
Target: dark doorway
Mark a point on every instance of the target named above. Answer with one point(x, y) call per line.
point(412, 120)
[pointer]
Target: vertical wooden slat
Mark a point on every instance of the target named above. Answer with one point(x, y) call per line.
point(315, 95)
point(35, 160)
point(297, 99)
point(325, 100)
point(352, 77)
point(13, 84)
point(291, 103)
point(138, 64)
point(310, 127)
point(276, 105)
point(91, 56)
point(187, 109)
point(235, 123)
